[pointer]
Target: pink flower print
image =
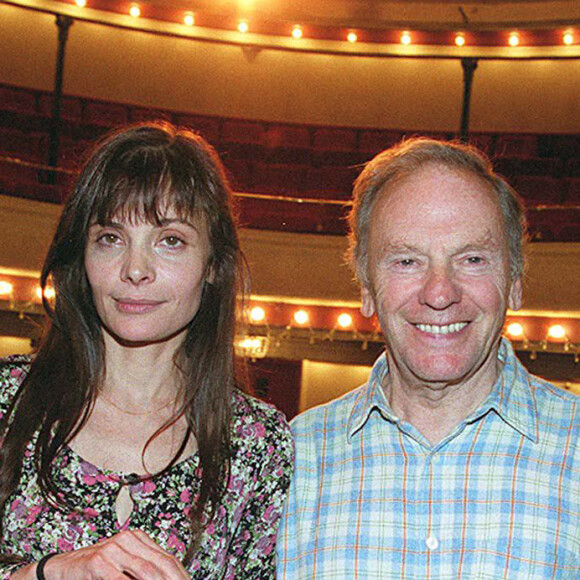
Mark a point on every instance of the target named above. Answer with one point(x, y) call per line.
point(90, 512)
point(185, 496)
point(211, 529)
point(148, 486)
point(271, 514)
point(65, 545)
point(265, 545)
point(16, 373)
point(174, 542)
point(89, 479)
point(32, 513)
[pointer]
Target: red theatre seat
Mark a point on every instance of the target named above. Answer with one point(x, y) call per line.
point(279, 179)
point(373, 141)
point(539, 189)
point(335, 146)
point(516, 145)
point(572, 190)
point(17, 100)
point(287, 144)
point(103, 114)
point(207, 127)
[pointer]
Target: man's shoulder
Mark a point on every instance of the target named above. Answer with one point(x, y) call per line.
point(550, 398)
point(335, 413)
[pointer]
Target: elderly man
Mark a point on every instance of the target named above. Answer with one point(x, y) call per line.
point(452, 461)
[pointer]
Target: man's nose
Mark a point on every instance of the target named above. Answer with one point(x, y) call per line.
point(137, 266)
point(440, 290)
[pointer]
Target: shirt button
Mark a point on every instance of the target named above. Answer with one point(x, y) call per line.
point(432, 542)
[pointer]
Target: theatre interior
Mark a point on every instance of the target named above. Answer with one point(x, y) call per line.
point(296, 97)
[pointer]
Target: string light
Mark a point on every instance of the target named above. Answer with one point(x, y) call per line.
point(257, 314)
point(5, 288)
point(49, 292)
point(301, 317)
point(81, 3)
point(344, 320)
point(556, 331)
point(135, 11)
point(568, 38)
point(189, 19)
point(243, 26)
point(352, 37)
point(514, 39)
point(297, 32)
point(515, 330)
point(459, 39)
point(406, 38)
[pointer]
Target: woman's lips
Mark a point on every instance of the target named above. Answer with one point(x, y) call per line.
point(134, 306)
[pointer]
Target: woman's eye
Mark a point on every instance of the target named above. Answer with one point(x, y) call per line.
point(108, 239)
point(406, 262)
point(172, 241)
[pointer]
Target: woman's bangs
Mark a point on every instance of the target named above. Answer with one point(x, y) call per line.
point(146, 197)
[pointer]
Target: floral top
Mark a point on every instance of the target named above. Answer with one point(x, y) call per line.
point(238, 543)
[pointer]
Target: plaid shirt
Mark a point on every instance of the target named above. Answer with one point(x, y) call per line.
point(497, 498)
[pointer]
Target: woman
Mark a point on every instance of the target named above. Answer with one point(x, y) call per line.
point(128, 450)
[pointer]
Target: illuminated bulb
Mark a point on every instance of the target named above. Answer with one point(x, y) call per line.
point(81, 3)
point(568, 38)
point(257, 314)
point(460, 40)
point(556, 331)
point(189, 19)
point(344, 320)
point(5, 288)
point(514, 39)
point(243, 26)
point(297, 32)
point(405, 38)
point(352, 37)
point(250, 343)
point(515, 329)
point(301, 316)
point(135, 11)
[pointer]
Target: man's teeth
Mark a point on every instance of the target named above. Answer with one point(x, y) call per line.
point(445, 329)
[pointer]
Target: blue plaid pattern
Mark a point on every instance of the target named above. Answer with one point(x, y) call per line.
point(498, 498)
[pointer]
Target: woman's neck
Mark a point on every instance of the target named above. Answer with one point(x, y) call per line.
point(140, 377)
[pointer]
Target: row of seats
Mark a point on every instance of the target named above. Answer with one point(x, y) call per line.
point(547, 223)
point(324, 182)
point(31, 110)
point(279, 159)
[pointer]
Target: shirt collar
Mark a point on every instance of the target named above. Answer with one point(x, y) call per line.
point(511, 398)
point(370, 397)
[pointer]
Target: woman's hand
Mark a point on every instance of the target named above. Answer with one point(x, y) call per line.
point(132, 554)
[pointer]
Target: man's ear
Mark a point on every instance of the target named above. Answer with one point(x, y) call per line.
point(368, 304)
point(515, 295)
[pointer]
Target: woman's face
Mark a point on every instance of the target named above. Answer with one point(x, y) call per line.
point(147, 279)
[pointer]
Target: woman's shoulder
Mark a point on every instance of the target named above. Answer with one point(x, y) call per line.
point(13, 370)
point(258, 421)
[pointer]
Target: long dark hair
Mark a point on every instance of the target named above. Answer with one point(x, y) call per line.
point(138, 171)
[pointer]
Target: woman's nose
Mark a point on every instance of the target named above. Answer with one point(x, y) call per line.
point(137, 267)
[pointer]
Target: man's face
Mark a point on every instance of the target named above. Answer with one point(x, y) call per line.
point(439, 275)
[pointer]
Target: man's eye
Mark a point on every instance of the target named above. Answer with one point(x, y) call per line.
point(475, 260)
point(407, 262)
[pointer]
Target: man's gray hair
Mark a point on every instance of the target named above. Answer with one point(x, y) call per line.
point(409, 156)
